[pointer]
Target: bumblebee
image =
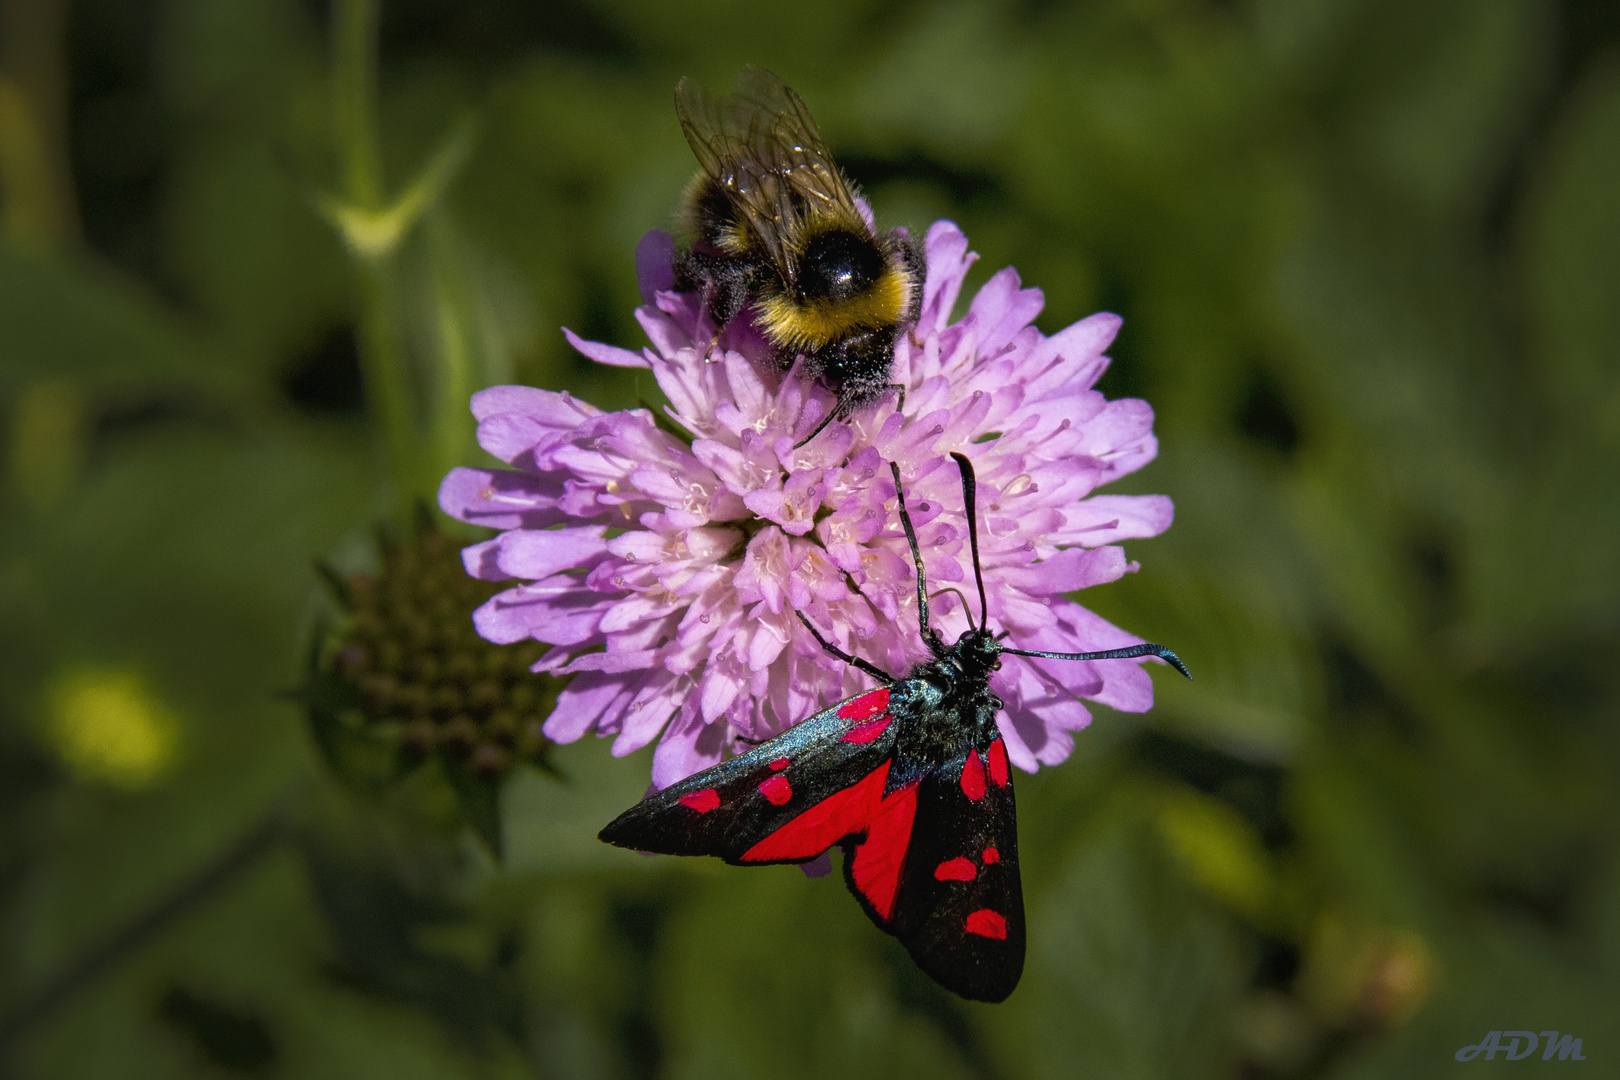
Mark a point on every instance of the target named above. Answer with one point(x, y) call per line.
point(776, 229)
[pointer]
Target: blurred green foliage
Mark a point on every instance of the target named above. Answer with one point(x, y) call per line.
point(1368, 253)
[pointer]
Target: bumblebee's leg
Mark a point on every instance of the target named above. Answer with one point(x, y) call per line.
point(899, 406)
point(725, 281)
point(845, 404)
point(733, 284)
point(870, 669)
point(832, 414)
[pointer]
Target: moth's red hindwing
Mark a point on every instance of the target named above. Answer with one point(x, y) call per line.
point(819, 826)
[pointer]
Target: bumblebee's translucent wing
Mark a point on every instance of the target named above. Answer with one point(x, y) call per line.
point(761, 146)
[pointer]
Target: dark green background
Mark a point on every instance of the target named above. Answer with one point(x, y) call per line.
point(1368, 255)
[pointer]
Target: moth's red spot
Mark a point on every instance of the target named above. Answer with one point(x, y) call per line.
point(998, 763)
point(866, 706)
point(973, 776)
point(991, 856)
point(987, 923)
point(957, 869)
point(779, 764)
point(701, 801)
point(865, 733)
point(777, 790)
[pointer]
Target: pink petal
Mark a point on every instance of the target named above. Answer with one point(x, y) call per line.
point(1126, 686)
point(482, 561)
point(539, 553)
point(510, 436)
point(659, 695)
point(717, 695)
point(580, 704)
point(1107, 519)
point(632, 611)
point(557, 612)
point(655, 264)
point(1066, 571)
point(948, 259)
point(549, 409)
point(1120, 426)
point(611, 355)
point(688, 746)
point(1074, 354)
point(1001, 309)
point(502, 498)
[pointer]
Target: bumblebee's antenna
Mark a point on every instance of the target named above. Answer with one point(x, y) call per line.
point(969, 489)
point(929, 634)
point(1129, 653)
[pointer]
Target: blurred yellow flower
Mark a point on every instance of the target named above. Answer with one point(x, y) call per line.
point(109, 728)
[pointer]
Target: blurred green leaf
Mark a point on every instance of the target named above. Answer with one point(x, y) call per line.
point(551, 821)
point(185, 559)
point(1466, 73)
point(260, 951)
point(765, 971)
point(60, 322)
point(1572, 230)
point(1128, 975)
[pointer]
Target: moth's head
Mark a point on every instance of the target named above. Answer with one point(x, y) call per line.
point(978, 651)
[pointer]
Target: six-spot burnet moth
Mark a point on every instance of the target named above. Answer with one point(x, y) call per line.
point(910, 778)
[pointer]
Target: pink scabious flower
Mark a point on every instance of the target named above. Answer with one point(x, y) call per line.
point(664, 558)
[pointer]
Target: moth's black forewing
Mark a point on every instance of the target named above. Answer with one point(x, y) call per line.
point(949, 922)
point(820, 763)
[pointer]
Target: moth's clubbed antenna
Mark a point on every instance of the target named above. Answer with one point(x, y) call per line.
point(970, 487)
point(1128, 653)
point(929, 634)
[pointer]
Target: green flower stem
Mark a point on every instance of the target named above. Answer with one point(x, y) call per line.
point(421, 439)
point(354, 99)
point(382, 359)
point(452, 425)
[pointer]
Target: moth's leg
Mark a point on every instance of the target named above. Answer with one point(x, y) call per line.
point(870, 669)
